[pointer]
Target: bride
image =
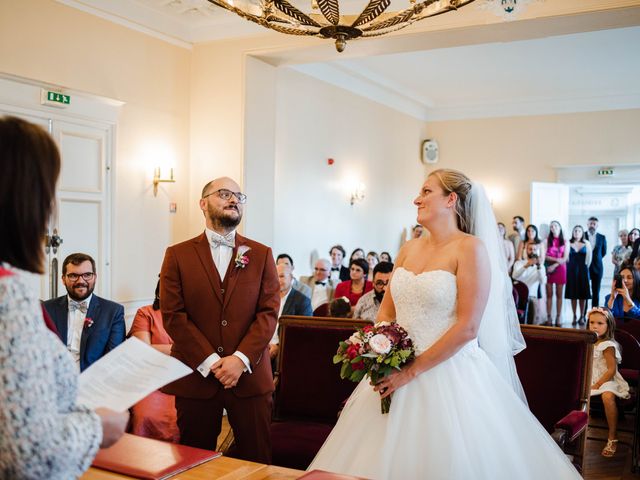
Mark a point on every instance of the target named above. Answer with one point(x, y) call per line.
point(458, 410)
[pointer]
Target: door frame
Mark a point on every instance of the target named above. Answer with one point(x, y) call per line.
point(22, 96)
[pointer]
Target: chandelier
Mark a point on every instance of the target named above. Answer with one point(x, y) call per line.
point(325, 19)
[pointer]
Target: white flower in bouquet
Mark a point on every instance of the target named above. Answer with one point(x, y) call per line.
point(380, 344)
point(356, 339)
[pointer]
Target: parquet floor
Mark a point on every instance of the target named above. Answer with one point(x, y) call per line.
point(597, 467)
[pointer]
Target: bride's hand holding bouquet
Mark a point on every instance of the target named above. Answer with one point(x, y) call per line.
point(377, 351)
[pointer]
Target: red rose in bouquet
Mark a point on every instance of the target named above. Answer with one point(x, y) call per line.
point(375, 351)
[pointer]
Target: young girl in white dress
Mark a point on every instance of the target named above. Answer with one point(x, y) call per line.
point(606, 380)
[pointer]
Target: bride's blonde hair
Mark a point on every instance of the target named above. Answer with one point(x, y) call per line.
point(453, 181)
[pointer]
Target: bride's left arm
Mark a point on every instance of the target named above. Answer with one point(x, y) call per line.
point(473, 278)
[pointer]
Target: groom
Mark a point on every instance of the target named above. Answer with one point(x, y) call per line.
point(219, 300)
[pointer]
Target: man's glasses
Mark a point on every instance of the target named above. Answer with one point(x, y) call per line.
point(85, 276)
point(381, 283)
point(225, 194)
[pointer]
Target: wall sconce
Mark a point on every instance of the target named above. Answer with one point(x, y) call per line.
point(158, 179)
point(357, 194)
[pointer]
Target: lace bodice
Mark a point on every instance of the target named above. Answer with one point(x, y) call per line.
point(425, 304)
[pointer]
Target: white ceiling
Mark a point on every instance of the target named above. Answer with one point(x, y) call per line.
point(569, 73)
point(590, 71)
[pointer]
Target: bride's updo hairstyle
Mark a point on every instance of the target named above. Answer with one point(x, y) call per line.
point(453, 181)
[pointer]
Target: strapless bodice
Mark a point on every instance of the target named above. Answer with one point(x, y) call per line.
point(425, 304)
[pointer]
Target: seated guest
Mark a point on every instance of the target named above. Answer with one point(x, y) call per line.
point(292, 302)
point(357, 253)
point(340, 307)
point(531, 272)
point(322, 286)
point(339, 273)
point(155, 415)
point(368, 305)
point(297, 285)
point(88, 325)
point(385, 257)
point(372, 259)
point(624, 299)
point(44, 433)
point(358, 285)
point(417, 231)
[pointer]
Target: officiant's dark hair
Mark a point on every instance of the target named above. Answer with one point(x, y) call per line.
point(453, 181)
point(30, 167)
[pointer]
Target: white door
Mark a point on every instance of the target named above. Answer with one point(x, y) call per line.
point(80, 223)
point(550, 201)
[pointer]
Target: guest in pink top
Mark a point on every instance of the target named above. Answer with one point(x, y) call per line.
point(155, 415)
point(556, 264)
point(358, 285)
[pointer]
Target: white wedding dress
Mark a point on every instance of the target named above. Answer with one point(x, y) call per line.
point(459, 420)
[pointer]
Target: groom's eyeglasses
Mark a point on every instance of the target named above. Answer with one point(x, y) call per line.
point(225, 194)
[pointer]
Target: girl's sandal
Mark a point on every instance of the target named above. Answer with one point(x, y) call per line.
point(609, 449)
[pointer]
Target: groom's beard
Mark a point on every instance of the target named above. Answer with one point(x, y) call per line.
point(225, 219)
point(379, 295)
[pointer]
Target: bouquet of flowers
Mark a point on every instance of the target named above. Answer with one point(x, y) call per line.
point(375, 351)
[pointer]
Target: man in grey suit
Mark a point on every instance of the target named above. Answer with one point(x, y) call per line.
point(88, 325)
point(292, 302)
point(322, 286)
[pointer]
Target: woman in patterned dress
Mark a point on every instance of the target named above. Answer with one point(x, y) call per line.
point(44, 433)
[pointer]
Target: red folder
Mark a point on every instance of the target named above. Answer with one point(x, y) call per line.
point(149, 459)
point(322, 475)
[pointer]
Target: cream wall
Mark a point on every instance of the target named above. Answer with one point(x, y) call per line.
point(49, 42)
point(369, 143)
point(188, 107)
point(507, 154)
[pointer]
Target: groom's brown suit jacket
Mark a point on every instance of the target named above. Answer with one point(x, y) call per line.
point(204, 314)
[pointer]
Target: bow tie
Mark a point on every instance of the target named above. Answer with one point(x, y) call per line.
point(227, 240)
point(335, 269)
point(73, 306)
point(321, 283)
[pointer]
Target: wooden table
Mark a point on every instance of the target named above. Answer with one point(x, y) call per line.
point(222, 468)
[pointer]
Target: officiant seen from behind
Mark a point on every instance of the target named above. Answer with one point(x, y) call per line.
point(44, 433)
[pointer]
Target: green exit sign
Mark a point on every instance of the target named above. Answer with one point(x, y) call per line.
point(54, 99)
point(58, 98)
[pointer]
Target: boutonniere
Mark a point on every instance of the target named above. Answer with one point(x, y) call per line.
point(242, 260)
point(88, 322)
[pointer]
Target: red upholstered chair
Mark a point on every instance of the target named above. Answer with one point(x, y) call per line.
point(309, 392)
point(522, 302)
point(559, 397)
point(321, 310)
